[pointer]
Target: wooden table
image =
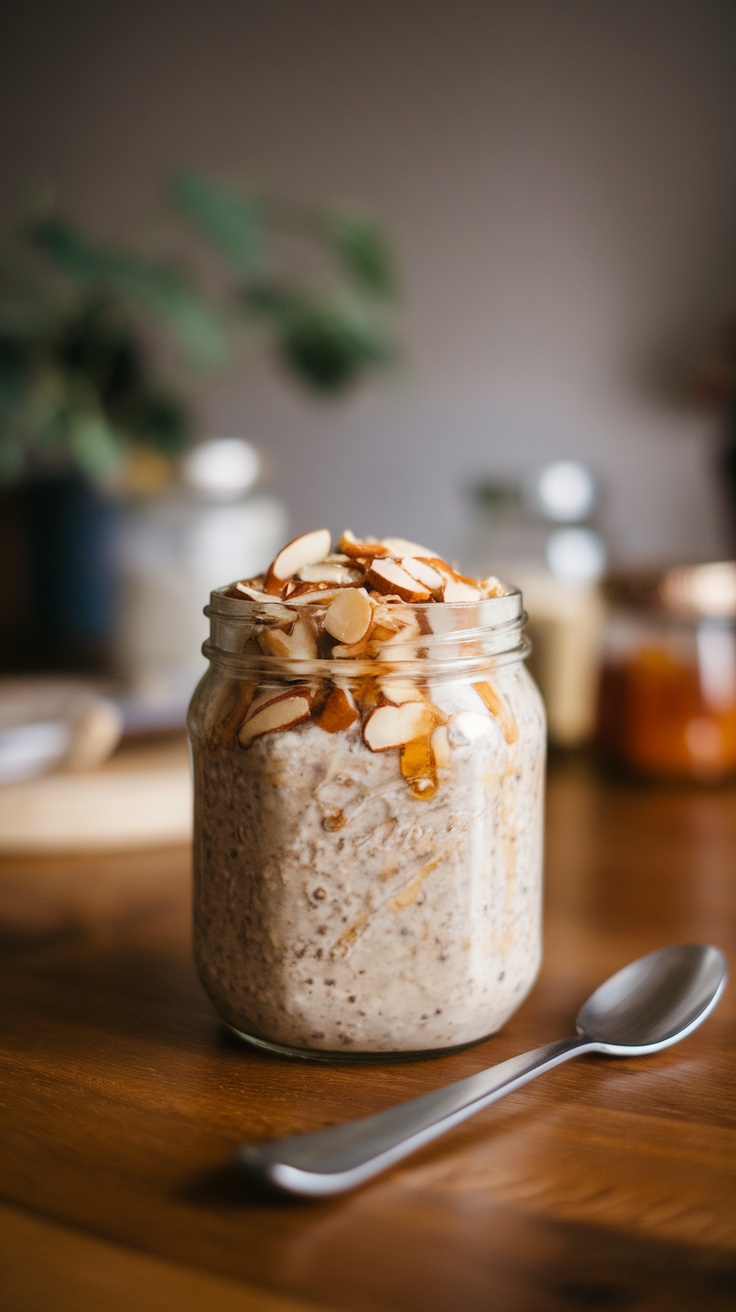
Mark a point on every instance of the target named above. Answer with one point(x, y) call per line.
point(605, 1184)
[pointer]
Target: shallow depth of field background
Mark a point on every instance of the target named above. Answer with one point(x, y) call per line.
point(558, 180)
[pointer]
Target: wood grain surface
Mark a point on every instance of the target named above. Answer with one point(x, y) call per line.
point(605, 1184)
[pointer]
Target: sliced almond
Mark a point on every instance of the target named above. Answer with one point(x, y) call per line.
point(308, 549)
point(403, 547)
point(385, 614)
point(276, 612)
point(348, 617)
point(388, 576)
point(299, 644)
point(457, 591)
point(329, 572)
point(393, 726)
point(406, 628)
point(457, 586)
point(388, 598)
point(440, 746)
point(284, 711)
point(242, 696)
point(358, 549)
point(250, 593)
point(356, 651)
point(381, 633)
point(321, 592)
point(493, 587)
point(338, 712)
point(426, 574)
point(398, 692)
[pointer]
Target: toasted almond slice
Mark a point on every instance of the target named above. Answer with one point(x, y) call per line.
point(493, 587)
point(277, 613)
point(385, 615)
point(440, 746)
point(308, 549)
point(241, 699)
point(405, 628)
point(398, 692)
point(389, 598)
point(281, 712)
point(274, 642)
point(348, 617)
point(259, 699)
point(318, 592)
point(330, 573)
point(425, 574)
point(393, 726)
point(456, 591)
point(382, 633)
point(253, 594)
point(338, 712)
point(458, 587)
point(387, 576)
point(403, 547)
point(358, 549)
point(355, 651)
point(299, 644)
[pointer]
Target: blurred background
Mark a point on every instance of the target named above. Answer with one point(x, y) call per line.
point(415, 254)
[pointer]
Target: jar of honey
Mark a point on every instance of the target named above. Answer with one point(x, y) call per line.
point(667, 699)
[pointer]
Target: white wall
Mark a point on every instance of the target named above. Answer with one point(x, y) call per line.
point(558, 176)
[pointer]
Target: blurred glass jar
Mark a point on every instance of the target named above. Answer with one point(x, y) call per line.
point(540, 534)
point(177, 545)
point(667, 700)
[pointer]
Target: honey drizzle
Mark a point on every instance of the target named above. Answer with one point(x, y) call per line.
point(346, 940)
point(499, 710)
point(418, 766)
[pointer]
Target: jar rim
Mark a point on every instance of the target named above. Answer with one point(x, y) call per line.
point(469, 634)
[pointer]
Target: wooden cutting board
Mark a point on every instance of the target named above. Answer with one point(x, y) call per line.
point(142, 797)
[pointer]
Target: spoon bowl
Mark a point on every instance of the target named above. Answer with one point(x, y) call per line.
point(655, 1001)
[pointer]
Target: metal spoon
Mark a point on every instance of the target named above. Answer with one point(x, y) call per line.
point(650, 1004)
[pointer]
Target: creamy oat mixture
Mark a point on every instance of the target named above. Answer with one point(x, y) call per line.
point(368, 841)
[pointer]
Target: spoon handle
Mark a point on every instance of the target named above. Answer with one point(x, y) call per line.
point(331, 1161)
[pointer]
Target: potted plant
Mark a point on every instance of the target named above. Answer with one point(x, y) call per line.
point(96, 343)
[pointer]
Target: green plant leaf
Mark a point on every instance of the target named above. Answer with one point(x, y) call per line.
point(16, 367)
point(94, 443)
point(152, 419)
point(67, 248)
point(364, 252)
point(270, 300)
point(163, 289)
point(328, 345)
point(232, 223)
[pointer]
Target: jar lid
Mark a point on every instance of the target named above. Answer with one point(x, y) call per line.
point(690, 592)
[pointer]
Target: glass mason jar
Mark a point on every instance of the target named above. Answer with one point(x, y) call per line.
point(353, 899)
point(667, 700)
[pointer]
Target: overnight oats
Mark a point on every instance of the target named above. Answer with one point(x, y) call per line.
point(368, 754)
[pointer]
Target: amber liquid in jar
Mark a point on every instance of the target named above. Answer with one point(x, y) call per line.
point(667, 705)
